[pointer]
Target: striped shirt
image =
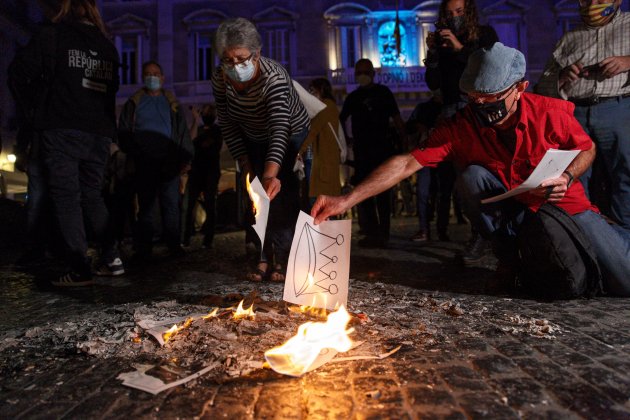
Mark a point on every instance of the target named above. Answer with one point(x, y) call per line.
point(269, 111)
point(589, 46)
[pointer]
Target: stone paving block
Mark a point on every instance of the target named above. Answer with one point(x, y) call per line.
point(513, 349)
point(415, 373)
point(438, 414)
point(522, 391)
point(49, 410)
point(280, 401)
point(388, 390)
point(462, 378)
point(186, 401)
point(613, 385)
point(430, 396)
point(563, 355)
point(472, 344)
point(494, 364)
point(329, 405)
point(383, 413)
point(480, 405)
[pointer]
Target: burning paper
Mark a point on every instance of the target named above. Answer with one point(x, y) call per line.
point(163, 330)
point(319, 263)
point(315, 344)
point(260, 200)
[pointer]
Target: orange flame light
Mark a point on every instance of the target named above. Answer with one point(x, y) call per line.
point(175, 329)
point(300, 352)
point(252, 194)
point(212, 314)
point(244, 313)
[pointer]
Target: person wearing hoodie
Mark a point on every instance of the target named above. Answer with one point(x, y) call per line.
point(153, 132)
point(72, 89)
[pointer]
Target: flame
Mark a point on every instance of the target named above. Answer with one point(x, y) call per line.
point(314, 310)
point(254, 197)
point(300, 352)
point(244, 313)
point(175, 329)
point(212, 314)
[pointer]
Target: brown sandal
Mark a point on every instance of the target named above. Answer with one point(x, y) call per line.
point(259, 275)
point(277, 275)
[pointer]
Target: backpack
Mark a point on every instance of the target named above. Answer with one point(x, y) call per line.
point(557, 259)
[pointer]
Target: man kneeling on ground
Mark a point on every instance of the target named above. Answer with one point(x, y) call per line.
point(497, 141)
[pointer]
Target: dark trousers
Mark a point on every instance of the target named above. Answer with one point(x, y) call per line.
point(376, 211)
point(152, 188)
point(207, 185)
point(284, 208)
point(38, 216)
point(75, 162)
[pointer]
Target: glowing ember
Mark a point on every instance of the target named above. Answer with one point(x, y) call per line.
point(244, 313)
point(212, 314)
point(300, 353)
point(254, 197)
point(175, 329)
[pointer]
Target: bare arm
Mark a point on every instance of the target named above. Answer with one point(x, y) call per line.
point(384, 177)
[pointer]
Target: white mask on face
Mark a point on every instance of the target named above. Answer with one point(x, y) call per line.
point(242, 72)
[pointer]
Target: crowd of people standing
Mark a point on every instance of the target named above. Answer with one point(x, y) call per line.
point(479, 133)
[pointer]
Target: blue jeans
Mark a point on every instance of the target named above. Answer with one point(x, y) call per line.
point(75, 161)
point(151, 187)
point(608, 124)
point(500, 222)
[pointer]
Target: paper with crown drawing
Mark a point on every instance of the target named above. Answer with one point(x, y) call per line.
point(319, 264)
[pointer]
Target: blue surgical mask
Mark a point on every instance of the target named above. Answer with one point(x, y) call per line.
point(152, 83)
point(241, 72)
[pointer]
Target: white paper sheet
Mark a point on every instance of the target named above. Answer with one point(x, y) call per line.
point(312, 104)
point(319, 263)
point(158, 328)
point(259, 197)
point(550, 167)
point(140, 380)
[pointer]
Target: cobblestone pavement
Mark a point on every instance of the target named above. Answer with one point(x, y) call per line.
point(470, 349)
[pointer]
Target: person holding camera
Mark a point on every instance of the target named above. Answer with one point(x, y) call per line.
point(458, 34)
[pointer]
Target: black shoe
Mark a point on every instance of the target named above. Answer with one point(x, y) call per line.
point(73, 279)
point(477, 249)
point(112, 268)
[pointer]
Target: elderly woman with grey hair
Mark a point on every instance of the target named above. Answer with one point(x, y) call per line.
point(263, 124)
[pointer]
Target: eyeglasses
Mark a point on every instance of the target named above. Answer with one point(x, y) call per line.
point(493, 97)
point(228, 62)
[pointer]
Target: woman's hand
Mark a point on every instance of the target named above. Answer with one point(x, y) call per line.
point(449, 40)
point(272, 186)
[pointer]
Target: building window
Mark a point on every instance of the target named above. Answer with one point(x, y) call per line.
point(276, 42)
point(128, 48)
point(507, 17)
point(349, 45)
point(205, 63)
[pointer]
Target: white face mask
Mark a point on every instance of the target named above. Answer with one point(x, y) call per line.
point(242, 72)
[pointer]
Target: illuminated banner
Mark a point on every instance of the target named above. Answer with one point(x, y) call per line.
point(397, 79)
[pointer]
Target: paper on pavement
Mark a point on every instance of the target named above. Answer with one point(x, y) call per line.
point(139, 379)
point(259, 197)
point(550, 167)
point(319, 263)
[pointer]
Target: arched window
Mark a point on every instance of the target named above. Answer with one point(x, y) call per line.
point(347, 29)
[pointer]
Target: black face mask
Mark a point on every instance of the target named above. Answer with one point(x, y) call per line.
point(490, 113)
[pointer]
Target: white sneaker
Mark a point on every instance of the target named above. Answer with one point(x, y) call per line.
point(110, 269)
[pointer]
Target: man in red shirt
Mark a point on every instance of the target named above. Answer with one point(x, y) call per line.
point(497, 141)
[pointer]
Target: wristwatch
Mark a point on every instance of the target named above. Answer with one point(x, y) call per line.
point(571, 178)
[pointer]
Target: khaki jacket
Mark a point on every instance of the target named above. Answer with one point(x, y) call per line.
point(325, 169)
